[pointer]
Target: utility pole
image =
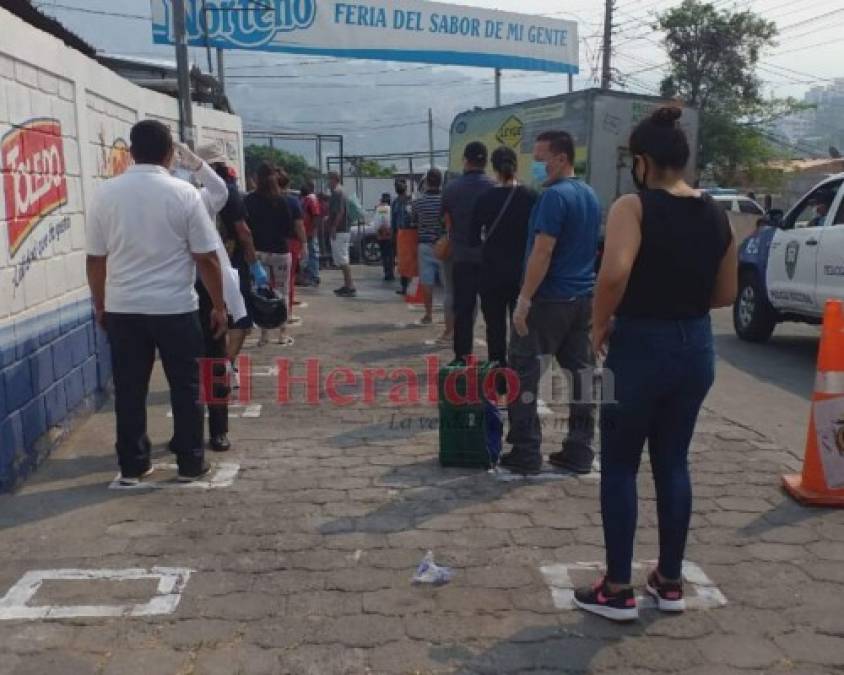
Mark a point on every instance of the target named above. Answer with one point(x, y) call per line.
point(606, 73)
point(498, 87)
point(183, 70)
point(221, 71)
point(431, 136)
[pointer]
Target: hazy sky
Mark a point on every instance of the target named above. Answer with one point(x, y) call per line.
point(810, 52)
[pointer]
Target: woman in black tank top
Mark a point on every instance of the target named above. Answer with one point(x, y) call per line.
point(669, 258)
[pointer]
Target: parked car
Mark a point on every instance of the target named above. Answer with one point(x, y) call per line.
point(733, 202)
point(792, 264)
point(743, 212)
point(364, 244)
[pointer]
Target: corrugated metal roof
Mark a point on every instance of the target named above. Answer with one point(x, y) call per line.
point(23, 9)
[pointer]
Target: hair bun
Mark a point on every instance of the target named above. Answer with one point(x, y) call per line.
point(666, 116)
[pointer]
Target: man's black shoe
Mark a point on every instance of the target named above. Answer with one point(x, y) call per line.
point(564, 460)
point(132, 481)
point(185, 477)
point(524, 469)
point(220, 443)
point(518, 464)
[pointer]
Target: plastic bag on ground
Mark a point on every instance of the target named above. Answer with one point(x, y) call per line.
point(429, 572)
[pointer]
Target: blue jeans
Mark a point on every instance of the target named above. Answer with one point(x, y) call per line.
point(662, 371)
point(312, 271)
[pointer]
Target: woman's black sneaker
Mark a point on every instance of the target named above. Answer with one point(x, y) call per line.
point(668, 594)
point(598, 599)
point(220, 443)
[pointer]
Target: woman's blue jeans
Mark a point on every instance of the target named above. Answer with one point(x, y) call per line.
point(661, 373)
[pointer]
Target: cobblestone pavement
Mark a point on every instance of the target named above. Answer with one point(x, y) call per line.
point(303, 564)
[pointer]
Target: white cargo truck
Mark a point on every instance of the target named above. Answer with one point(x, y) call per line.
point(600, 122)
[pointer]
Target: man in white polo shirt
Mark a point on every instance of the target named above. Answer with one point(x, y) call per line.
point(148, 233)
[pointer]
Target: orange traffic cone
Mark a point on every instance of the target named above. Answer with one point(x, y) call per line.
point(414, 293)
point(822, 480)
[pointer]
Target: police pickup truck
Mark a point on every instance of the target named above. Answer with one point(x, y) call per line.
point(792, 264)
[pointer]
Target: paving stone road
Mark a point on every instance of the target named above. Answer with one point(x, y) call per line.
point(303, 564)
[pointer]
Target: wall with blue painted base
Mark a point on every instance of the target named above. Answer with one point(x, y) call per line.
point(49, 366)
point(64, 127)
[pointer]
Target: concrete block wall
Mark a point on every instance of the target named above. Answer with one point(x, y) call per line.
point(64, 128)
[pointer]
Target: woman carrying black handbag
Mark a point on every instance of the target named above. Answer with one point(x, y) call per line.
point(501, 216)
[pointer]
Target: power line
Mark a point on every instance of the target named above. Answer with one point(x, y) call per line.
point(805, 47)
point(321, 75)
point(811, 20)
point(269, 79)
point(99, 12)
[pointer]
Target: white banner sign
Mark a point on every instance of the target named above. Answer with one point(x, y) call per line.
point(389, 30)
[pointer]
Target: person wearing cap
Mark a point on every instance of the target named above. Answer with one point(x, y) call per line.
point(459, 201)
point(218, 201)
point(237, 241)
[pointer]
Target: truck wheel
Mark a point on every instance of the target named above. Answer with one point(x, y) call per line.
point(753, 317)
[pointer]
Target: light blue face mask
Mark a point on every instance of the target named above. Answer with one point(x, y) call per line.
point(540, 172)
point(182, 174)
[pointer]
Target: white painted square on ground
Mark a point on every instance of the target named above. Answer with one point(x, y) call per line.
point(221, 476)
point(236, 410)
point(549, 472)
point(171, 582)
point(704, 593)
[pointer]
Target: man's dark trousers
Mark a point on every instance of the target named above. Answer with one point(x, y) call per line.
point(214, 348)
point(467, 280)
point(134, 339)
point(560, 329)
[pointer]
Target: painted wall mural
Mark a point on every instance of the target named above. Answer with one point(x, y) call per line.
point(32, 162)
point(114, 157)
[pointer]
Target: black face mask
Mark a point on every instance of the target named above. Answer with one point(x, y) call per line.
point(641, 185)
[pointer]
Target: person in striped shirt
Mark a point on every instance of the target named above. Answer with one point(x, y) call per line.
point(427, 218)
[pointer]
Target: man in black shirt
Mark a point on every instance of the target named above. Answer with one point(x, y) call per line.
point(237, 238)
point(459, 200)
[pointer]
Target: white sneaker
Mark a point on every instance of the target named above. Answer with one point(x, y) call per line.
point(132, 481)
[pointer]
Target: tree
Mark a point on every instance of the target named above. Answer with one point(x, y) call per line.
point(713, 57)
point(369, 168)
point(295, 165)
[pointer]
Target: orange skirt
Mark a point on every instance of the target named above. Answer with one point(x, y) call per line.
point(408, 243)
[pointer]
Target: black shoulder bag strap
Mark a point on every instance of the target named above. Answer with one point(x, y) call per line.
point(501, 213)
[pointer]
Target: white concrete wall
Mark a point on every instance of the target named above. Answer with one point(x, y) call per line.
point(43, 292)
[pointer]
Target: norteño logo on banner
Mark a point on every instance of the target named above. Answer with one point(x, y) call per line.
point(393, 30)
point(243, 23)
